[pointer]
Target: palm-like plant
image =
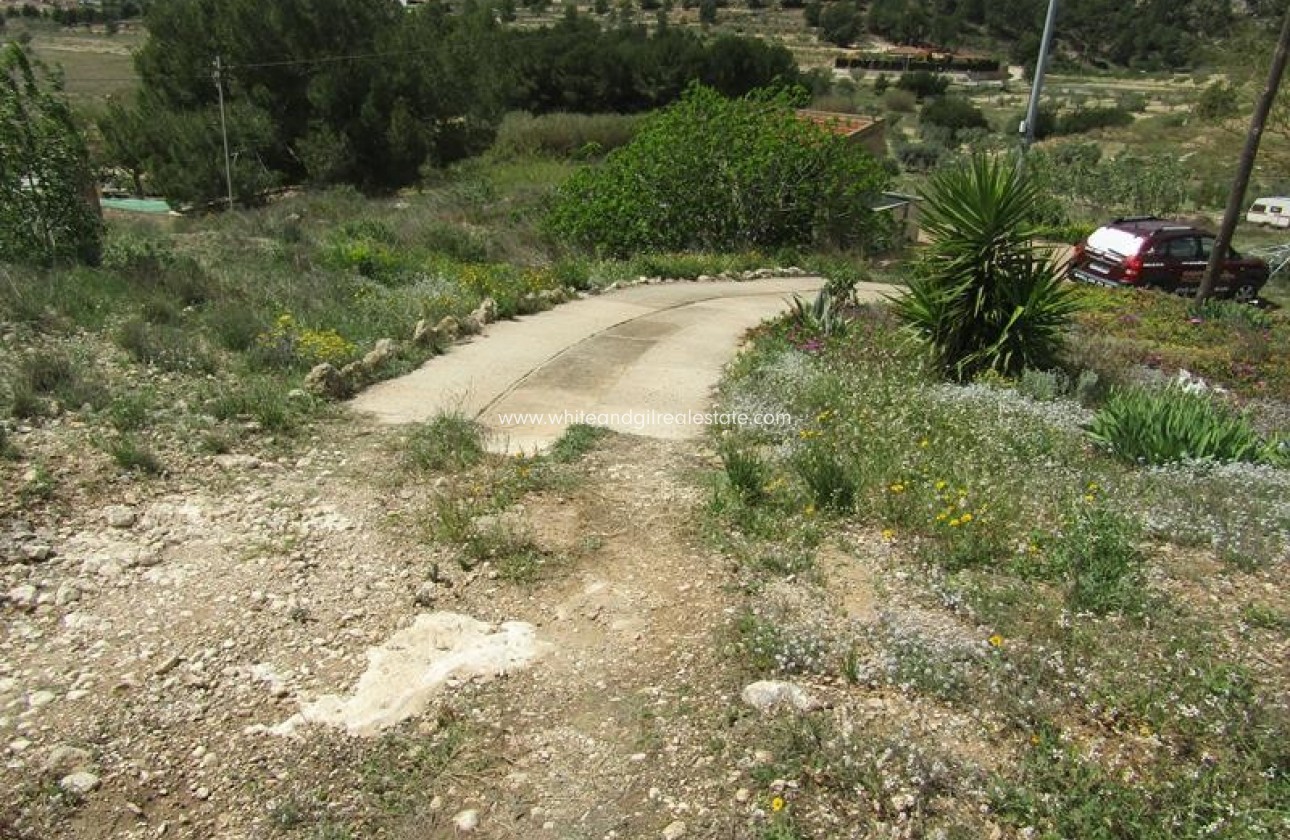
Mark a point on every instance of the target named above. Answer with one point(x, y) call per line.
point(983, 297)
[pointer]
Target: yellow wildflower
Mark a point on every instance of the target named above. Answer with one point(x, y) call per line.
point(941, 485)
point(996, 641)
point(924, 443)
point(809, 510)
point(888, 534)
point(777, 804)
point(954, 523)
point(897, 488)
point(965, 518)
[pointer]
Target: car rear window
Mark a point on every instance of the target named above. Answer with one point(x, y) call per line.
point(1259, 208)
point(1113, 239)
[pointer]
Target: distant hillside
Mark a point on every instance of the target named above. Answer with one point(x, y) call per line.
point(1147, 34)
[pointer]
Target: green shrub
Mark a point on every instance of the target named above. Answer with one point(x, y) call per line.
point(899, 101)
point(1085, 119)
point(1174, 424)
point(562, 135)
point(132, 456)
point(984, 299)
point(711, 173)
point(923, 84)
point(447, 441)
point(262, 400)
point(166, 347)
point(1043, 385)
point(53, 375)
point(953, 114)
point(235, 325)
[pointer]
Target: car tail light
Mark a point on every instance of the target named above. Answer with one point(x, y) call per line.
point(1079, 251)
point(1133, 269)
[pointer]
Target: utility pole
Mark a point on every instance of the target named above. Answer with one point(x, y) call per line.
point(223, 125)
point(1032, 110)
point(1236, 198)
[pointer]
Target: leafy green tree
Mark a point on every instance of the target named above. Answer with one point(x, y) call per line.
point(48, 205)
point(954, 114)
point(708, 11)
point(1217, 103)
point(723, 174)
point(811, 12)
point(923, 84)
point(839, 23)
point(984, 298)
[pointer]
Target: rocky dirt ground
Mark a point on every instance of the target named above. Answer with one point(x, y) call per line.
point(153, 630)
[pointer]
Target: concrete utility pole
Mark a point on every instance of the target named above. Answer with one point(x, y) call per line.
point(223, 125)
point(1236, 198)
point(1032, 110)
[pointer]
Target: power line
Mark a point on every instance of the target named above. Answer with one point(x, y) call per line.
point(257, 65)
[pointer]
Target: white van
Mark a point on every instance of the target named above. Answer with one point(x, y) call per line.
point(1273, 212)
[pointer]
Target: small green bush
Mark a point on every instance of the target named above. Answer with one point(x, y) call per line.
point(1174, 424)
point(446, 442)
point(166, 347)
point(923, 84)
point(132, 456)
point(953, 114)
point(54, 375)
point(1085, 119)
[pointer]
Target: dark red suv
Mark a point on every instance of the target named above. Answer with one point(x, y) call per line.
point(1153, 253)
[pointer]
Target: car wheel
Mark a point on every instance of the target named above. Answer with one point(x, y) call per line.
point(1245, 293)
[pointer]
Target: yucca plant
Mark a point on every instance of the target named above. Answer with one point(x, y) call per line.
point(984, 299)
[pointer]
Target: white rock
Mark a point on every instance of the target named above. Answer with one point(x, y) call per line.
point(674, 831)
point(23, 596)
point(79, 783)
point(67, 593)
point(766, 695)
point(41, 698)
point(64, 759)
point(414, 664)
point(35, 552)
point(466, 821)
point(120, 516)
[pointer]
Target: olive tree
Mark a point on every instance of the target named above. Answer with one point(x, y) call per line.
point(48, 209)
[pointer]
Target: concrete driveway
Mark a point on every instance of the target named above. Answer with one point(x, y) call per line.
point(643, 360)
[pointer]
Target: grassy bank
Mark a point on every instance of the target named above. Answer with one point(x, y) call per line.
point(1055, 642)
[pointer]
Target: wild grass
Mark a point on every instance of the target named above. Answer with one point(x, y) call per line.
point(447, 442)
point(576, 441)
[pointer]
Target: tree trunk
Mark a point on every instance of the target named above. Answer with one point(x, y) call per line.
point(1236, 198)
